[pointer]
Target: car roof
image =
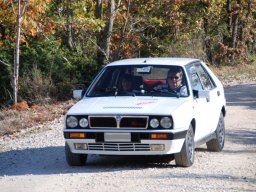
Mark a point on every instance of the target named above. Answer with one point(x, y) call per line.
point(155, 60)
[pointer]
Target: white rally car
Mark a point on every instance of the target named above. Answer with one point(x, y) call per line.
point(149, 118)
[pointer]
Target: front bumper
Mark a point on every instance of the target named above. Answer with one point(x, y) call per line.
point(140, 142)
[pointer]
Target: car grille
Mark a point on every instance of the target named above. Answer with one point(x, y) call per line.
point(138, 122)
point(102, 122)
point(118, 147)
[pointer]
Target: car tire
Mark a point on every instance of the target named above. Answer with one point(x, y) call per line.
point(187, 154)
point(217, 144)
point(74, 159)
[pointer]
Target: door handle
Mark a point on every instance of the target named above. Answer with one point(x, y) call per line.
point(218, 93)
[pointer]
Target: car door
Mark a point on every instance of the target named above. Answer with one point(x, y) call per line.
point(204, 108)
point(212, 104)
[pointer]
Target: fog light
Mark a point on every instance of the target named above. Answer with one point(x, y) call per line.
point(156, 147)
point(81, 146)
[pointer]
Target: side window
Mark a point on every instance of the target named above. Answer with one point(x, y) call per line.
point(195, 81)
point(204, 77)
point(193, 77)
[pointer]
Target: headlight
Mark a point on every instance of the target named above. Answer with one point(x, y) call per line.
point(72, 121)
point(166, 122)
point(154, 123)
point(83, 122)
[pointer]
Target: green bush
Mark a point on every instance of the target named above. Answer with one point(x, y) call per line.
point(35, 87)
point(6, 55)
point(57, 69)
point(47, 70)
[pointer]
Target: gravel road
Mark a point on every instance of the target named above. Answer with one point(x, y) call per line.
point(33, 160)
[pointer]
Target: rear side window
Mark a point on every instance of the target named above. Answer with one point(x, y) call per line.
point(193, 77)
point(204, 77)
point(199, 78)
point(195, 81)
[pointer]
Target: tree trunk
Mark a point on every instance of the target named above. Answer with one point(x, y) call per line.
point(235, 20)
point(229, 16)
point(234, 31)
point(109, 27)
point(17, 58)
point(207, 38)
point(245, 36)
point(100, 51)
point(104, 36)
point(207, 41)
point(2, 31)
point(121, 40)
point(70, 38)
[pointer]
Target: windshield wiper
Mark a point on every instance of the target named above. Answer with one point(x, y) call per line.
point(126, 93)
point(165, 92)
point(116, 92)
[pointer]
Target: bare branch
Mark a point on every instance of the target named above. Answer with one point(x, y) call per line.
point(133, 24)
point(13, 7)
point(66, 60)
point(24, 8)
point(4, 63)
point(118, 4)
point(117, 9)
point(99, 48)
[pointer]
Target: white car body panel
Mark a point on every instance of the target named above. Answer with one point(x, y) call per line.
point(126, 105)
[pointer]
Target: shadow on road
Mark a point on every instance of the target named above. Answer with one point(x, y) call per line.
point(51, 160)
point(245, 137)
point(241, 95)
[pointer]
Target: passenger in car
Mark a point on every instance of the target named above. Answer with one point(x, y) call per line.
point(174, 82)
point(126, 83)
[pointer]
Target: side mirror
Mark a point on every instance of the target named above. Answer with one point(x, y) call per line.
point(202, 94)
point(79, 91)
point(78, 94)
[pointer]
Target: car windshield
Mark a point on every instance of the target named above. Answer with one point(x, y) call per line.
point(140, 80)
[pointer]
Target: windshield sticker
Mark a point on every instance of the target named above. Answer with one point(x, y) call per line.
point(143, 70)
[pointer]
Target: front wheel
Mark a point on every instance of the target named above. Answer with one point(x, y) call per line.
point(74, 159)
point(187, 154)
point(217, 143)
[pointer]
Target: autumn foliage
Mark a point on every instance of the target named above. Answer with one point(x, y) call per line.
point(65, 42)
point(20, 106)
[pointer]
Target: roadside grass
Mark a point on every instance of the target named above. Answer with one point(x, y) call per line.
point(14, 119)
point(231, 75)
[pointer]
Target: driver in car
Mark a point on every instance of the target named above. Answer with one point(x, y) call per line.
point(126, 83)
point(174, 82)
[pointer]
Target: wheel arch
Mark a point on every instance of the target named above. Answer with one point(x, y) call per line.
point(193, 123)
point(223, 111)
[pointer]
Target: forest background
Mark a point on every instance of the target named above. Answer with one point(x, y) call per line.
point(65, 42)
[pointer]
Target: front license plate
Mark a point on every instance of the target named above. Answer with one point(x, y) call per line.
point(113, 137)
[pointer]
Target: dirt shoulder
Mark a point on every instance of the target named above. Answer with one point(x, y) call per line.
point(34, 160)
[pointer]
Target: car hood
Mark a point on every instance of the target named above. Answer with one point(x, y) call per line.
point(126, 105)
